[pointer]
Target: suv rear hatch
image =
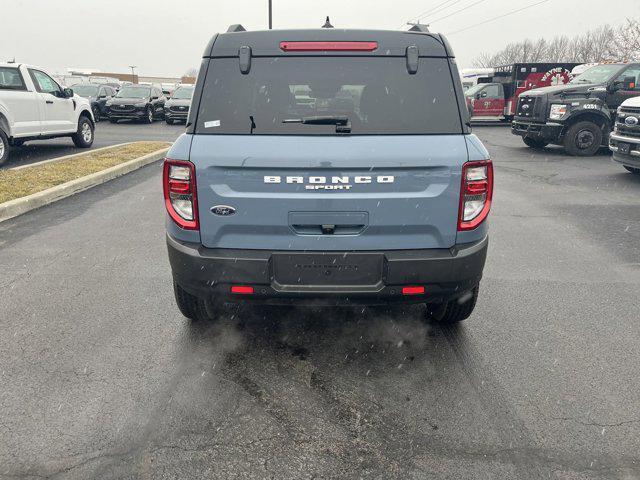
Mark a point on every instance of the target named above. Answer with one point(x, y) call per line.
point(328, 151)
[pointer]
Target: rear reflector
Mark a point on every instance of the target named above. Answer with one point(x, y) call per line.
point(412, 290)
point(328, 46)
point(243, 289)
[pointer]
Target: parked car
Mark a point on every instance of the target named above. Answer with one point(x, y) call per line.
point(33, 106)
point(176, 109)
point(98, 96)
point(137, 102)
point(374, 193)
point(579, 115)
point(624, 142)
point(168, 88)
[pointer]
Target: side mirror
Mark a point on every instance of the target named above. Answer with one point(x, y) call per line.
point(629, 83)
point(67, 93)
point(154, 98)
point(102, 96)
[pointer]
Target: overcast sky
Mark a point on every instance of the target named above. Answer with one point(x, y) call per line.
point(166, 37)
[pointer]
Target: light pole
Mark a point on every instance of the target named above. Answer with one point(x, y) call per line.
point(270, 16)
point(133, 73)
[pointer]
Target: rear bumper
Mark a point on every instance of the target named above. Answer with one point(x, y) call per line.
point(549, 132)
point(210, 273)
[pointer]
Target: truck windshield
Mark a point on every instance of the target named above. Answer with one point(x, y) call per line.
point(134, 92)
point(597, 74)
point(376, 94)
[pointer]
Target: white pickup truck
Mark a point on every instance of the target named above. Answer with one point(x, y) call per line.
point(34, 107)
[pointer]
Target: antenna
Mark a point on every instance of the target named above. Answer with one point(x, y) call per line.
point(327, 23)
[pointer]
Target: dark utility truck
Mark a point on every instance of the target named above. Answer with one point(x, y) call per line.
point(579, 115)
point(329, 167)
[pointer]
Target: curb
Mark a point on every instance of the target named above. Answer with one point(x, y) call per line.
point(67, 157)
point(18, 206)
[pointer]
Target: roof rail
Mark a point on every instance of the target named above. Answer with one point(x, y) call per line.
point(419, 27)
point(236, 28)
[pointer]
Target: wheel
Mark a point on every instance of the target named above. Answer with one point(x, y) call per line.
point(149, 117)
point(583, 139)
point(4, 147)
point(191, 306)
point(453, 311)
point(83, 138)
point(635, 171)
point(96, 114)
point(168, 120)
point(534, 142)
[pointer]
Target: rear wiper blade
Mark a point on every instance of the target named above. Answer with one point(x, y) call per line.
point(341, 122)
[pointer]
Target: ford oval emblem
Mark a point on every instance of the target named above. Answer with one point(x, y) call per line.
point(631, 121)
point(223, 210)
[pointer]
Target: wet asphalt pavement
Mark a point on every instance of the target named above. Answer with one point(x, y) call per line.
point(106, 134)
point(102, 378)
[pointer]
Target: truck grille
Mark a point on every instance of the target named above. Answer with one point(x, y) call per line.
point(526, 107)
point(122, 108)
point(625, 129)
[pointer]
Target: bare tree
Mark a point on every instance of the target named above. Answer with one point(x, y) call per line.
point(626, 41)
point(604, 43)
point(191, 72)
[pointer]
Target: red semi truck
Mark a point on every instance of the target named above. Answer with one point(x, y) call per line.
point(495, 98)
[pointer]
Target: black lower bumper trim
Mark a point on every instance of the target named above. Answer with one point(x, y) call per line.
point(445, 274)
point(551, 133)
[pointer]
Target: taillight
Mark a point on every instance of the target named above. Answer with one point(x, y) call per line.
point(476, 192)
point(179, 182)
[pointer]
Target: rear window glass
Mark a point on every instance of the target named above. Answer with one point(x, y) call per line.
point(10, 79)
point(376, 94)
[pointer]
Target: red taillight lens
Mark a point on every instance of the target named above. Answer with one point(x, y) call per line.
point(179, 185)
point(476, 192)
point(242, 289)
point(412, 290)
point(328, 46)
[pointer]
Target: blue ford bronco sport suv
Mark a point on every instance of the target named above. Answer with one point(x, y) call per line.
point(328, 167)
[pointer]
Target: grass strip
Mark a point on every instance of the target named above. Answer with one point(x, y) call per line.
point(20, 183)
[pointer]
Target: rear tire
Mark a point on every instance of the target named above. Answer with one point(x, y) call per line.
point(113, 120)
point(168, 120)
point(4, 147)
point(453, 311)
point(191, 306)
point(534, 142)
point(83, 138)
point(635, 171)
point(149, 116)
point(583, 139)
point(96, 114)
